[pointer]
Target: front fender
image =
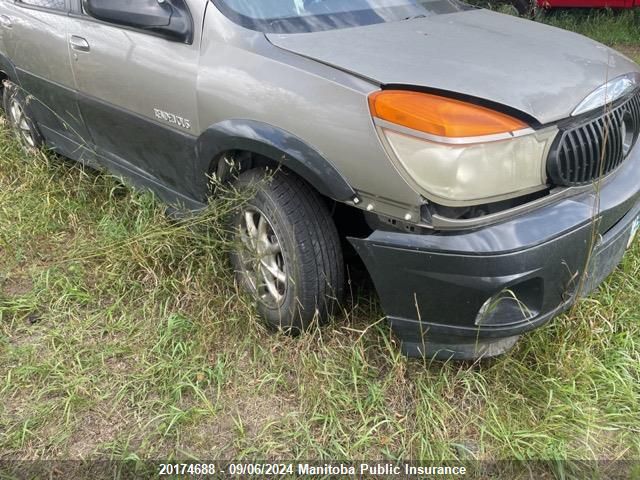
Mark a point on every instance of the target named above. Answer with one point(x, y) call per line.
point(277, 145)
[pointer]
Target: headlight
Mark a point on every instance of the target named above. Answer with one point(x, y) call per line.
point(458, 153)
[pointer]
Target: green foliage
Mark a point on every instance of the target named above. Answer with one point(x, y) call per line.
point(607, 26)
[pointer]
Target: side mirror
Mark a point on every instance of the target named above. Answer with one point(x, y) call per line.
point(169, 18)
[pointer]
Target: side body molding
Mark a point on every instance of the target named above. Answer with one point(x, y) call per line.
point(278, 145)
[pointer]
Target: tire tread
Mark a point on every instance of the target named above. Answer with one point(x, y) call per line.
point(317, 241)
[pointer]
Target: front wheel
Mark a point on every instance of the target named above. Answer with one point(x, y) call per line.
point(287, 250)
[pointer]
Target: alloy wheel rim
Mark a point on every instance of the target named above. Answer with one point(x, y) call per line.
point(19, 119)
point(262, 258)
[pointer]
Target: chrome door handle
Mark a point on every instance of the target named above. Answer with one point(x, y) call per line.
point(6, 21)
point(80, 44)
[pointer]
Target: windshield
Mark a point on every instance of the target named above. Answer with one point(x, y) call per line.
point(298, 16)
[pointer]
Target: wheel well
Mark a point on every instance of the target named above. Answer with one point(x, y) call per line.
point(3, 77)
point(349, 220)
point(228, 165)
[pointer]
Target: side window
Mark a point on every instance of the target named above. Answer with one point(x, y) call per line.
point(51, 4)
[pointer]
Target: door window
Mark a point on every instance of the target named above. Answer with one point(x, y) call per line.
point(51, 4)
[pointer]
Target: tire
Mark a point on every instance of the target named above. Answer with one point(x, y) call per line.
point(18, 115)
point(290, 259)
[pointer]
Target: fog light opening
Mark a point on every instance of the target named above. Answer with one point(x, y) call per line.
point(512, 305)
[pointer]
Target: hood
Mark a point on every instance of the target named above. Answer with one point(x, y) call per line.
point(542, 71)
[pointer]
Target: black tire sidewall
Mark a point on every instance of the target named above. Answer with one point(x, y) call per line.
point(298, 308)
point(266, 205)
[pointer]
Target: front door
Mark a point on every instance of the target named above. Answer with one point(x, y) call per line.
point(137, 95)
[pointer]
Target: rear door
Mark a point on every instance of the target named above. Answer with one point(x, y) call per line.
point(137, 95)
point(35, 40)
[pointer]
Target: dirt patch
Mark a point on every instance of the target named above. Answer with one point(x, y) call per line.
point(238, 424)
point(16, 286)
point(258, 411)
point(97, 428)
point(632, 51)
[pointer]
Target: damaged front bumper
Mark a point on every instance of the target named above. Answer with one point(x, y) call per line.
point(471, 294)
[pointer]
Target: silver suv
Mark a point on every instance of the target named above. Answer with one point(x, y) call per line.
point(483, 167)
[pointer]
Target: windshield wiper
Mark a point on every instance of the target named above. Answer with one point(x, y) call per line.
point(413, 17)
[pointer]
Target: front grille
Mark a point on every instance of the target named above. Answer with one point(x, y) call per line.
point(596, 147)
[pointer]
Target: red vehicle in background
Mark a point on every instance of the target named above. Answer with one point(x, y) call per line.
point(588, 3)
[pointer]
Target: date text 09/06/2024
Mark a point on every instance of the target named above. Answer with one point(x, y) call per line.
point(270, 469)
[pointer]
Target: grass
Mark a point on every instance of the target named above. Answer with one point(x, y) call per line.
point(122, 336)
point(609, 27)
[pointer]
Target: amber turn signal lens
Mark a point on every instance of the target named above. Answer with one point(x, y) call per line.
point(441, 116)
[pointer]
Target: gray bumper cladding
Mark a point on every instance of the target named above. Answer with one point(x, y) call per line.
point(466, 295)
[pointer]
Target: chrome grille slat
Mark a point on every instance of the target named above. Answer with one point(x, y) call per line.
point(575, 166)
point(600, 144)
point(580, 153)
point(610, 143)
point(593, 160)
point(594, 148)
point(617, 133)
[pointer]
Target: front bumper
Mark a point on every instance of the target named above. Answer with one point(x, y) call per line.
point(471, 294)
